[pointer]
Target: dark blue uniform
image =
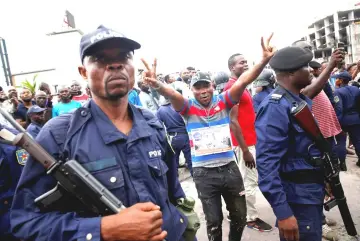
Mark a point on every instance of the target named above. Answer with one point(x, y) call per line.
point(176, 129)
point(12, 161)
point(132, 167)
point(286, 178)
point(259, 97)
point(33, 129)
point(348, 114)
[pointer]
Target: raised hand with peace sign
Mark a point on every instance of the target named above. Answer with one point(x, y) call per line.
point(149, 77)
point(268, 50)
point(149, 74)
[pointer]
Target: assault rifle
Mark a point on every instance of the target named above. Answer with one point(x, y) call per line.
point(306, 120)
point(71, 177)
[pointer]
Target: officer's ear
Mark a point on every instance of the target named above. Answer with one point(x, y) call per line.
point(82, 72)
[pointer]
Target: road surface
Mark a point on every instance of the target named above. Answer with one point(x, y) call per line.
point(351, 185)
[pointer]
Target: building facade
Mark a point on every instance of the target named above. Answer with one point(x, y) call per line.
point(342, 26)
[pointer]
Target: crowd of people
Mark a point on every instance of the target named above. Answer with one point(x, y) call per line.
point(131, 137)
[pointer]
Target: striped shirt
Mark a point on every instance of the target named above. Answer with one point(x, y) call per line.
point(325, 115)
point(196, 116)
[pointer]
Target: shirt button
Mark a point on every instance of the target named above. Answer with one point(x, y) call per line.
point(181, 220)
point(113, 179)
point(308, 227)
point(6, 202)
point(83, 113)
point(89, 236)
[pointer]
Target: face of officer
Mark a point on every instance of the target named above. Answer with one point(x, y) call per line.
point(295, 81)
point(315, 71)
point(37, 117)
point(203, 92)
point(110, 72)
point(301, 77)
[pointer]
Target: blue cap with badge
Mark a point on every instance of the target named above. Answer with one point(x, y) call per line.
point(35, 109)
point(102, 34)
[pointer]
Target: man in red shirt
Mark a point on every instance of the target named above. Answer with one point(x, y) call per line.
point(242, 118)
point(77, 93)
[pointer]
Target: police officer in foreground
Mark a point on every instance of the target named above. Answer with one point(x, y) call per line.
point(12, 161)
point(288, 176)
point(265, 84)
point(123, 146)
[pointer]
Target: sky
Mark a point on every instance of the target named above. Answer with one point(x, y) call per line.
point(199, 33)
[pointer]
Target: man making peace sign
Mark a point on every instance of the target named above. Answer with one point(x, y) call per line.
point(215, 171)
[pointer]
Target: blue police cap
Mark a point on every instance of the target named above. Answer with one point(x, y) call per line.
point(35, 109)
point(103, 34)
point(290, 59)
point(344, 76)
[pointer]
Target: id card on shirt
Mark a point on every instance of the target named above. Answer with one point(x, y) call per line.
point(211, 140)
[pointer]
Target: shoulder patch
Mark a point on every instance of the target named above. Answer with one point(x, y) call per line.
point(275, 96)
point(336, 99)
point(22, 156)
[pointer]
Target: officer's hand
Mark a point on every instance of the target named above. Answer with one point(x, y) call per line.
point(328, 192)
point(288, 229)
point(336, 57)
point(268, 50)
point(249, 159)
point(140, 222)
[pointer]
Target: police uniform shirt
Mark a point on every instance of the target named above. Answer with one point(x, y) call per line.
point(132, 167)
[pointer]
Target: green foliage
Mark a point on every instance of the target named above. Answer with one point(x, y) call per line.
point(30, 85)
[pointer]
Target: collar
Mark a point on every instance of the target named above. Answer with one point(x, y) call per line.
point(108, 131)
point(300, 97)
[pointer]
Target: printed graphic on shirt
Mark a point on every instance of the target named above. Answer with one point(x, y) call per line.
point(22, 156)
point(211, 140)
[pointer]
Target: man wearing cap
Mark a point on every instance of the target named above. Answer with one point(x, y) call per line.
point(35, 119)
point(289, 180)
point(124, 147)
point(320, 91)
point(265, 81)
point(348, 114)
point(215, 171)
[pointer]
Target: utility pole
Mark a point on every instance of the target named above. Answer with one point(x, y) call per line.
point(5, 62)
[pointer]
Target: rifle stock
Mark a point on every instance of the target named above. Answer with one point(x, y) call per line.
point(306, 121)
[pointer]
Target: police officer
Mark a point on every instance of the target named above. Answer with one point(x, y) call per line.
point(12, 161)
point(124, 147)
point(265, 81)
point(220, 79)
point(176, 130)
point(348, 112)
point(288, 178)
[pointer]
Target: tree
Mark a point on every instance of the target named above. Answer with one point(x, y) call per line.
point(30, 85)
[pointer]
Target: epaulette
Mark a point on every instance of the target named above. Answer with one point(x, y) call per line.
point(276, 96)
